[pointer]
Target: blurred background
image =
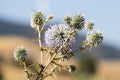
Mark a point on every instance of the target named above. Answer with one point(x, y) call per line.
point(103, 63)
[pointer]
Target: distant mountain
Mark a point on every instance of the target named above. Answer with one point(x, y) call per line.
point(8, 28)
point(108, 51)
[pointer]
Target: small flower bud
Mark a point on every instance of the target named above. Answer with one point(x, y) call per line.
point(72, 68)
point(89, 25)
point(67, 19)
point(20, 53)
point(94, 39)
point(37, 19)
point(78, 22)
point(50, 17)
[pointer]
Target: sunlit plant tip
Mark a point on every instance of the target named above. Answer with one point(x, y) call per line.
point(89, 25)
point(94, 39)
point(78, 21)
point(37, 19)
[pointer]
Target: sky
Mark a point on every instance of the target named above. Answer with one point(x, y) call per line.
point(104, 13)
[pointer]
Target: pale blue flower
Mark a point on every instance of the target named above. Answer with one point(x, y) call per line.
point(57, 34)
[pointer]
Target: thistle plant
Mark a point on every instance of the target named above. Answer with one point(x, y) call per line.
point(59, 42)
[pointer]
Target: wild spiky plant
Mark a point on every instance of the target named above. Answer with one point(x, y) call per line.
point(59, 40)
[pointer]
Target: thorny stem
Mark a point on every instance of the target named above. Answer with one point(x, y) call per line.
point(48, 60)
point(84, 46)
point(26, 70)
point(52, 70)
point(40, 45)
point(57, 51)
point(32, 65)
point(62, 46)
point(87, 34)
point(40, 42)
point(46, 66)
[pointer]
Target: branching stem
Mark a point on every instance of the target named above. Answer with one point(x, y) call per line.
point(57, 51)
point(26, 70)
point(40, 30)
point(40, 44)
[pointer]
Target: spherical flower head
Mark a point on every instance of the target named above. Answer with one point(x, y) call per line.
point(56, 35)
point(94, 39)
point(20, 53)
point(37, 19)
point(89, 25)
point(78, 22)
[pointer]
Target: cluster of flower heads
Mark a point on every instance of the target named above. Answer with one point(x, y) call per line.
point(57, 34)
point(76, 22)
point(60, 37)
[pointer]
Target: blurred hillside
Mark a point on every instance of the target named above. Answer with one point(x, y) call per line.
point(10, 28)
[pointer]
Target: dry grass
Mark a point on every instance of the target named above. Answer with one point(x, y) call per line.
point(109, 69)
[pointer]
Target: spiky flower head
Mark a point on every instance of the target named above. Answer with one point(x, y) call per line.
point(20, 53)
point(37, 19)
point(89, 25)
point(57, 34)
point(78, 21)
point(67, 19)
point(94, 39)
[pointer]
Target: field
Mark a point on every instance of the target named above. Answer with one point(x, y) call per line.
point(106, 69)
